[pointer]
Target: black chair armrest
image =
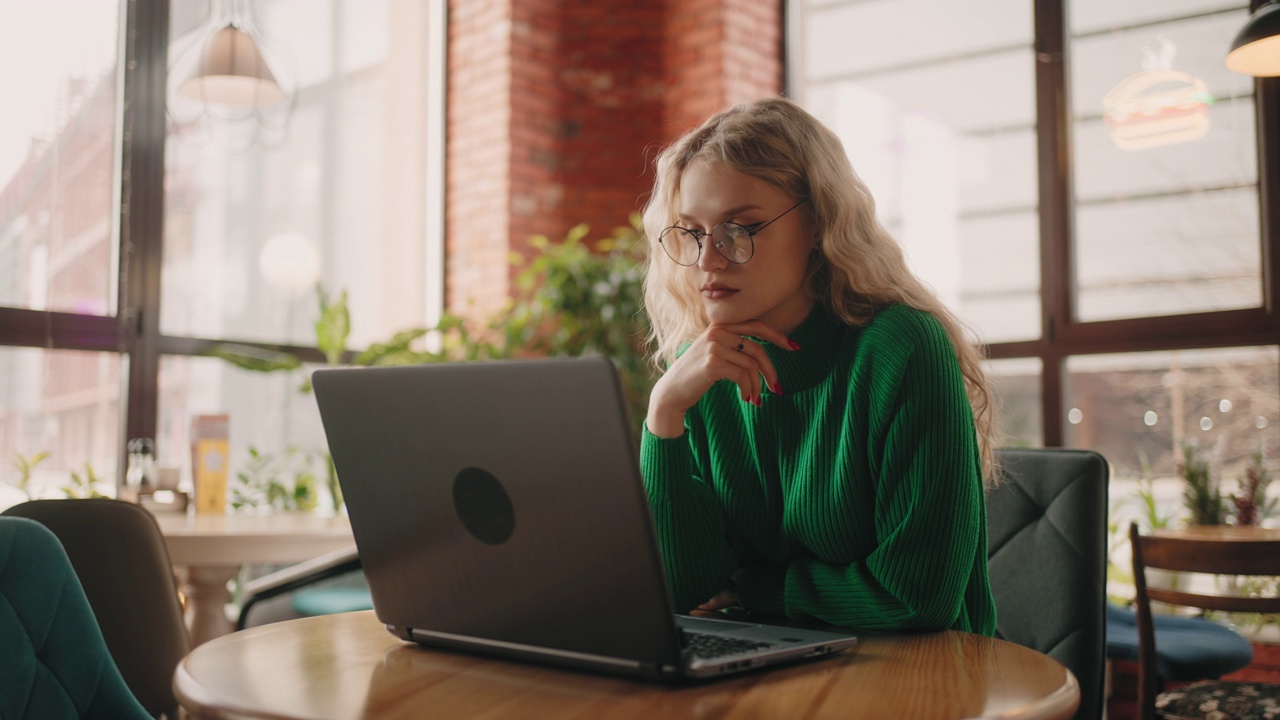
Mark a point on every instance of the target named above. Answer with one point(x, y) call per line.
point(332, 564)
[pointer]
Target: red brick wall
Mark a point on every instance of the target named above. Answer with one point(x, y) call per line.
point(719, 52)
point(557, 107)
point(753, 49)
point(695, 37)
point(586, 94)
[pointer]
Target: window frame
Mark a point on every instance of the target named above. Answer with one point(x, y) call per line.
point(1063, 334)
point(134, 330)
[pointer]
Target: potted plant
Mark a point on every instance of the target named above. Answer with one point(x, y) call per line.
point(1251, 505)
point(577, 298)
point(1202, 495)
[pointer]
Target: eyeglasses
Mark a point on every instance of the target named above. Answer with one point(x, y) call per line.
point(734, 242)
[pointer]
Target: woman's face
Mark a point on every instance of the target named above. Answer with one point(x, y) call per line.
point(769, 287)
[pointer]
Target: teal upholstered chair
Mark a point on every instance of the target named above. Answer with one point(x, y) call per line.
point(1187, 648)
point(331, 583)
point(55, 662)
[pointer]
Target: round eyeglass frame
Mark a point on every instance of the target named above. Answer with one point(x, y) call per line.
point(725, 234)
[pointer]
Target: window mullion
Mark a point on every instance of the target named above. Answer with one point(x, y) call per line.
point(1053, 141)
point(141, 215)
point(1266, 93)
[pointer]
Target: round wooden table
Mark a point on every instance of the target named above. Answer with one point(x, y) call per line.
point(209, 550)
point(349, 666)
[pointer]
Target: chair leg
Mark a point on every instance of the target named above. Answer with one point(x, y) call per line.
point(1108, 669)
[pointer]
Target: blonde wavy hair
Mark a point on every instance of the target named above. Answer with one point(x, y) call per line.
point(859, 269)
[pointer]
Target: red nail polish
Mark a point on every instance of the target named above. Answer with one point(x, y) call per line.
point(777, 387)
point(794, 345)
point(759, 401)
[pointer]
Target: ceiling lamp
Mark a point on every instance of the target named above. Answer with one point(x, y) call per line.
point(231, 71)
point(228, 83)
point(1256, 49)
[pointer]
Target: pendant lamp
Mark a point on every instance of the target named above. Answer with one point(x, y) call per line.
point(231, 71)
point(229, 84)
point(1256, 49)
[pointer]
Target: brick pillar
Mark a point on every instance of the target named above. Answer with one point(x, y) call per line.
point(557, 107)
point(719, 52)
point(478, 149)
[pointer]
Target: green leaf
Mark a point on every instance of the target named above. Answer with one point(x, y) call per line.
point(576, 233)
point(334, 326)
point(254, 358)
point(397, 345)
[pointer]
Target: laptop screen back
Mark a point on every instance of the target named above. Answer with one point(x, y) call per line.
point(501, 500)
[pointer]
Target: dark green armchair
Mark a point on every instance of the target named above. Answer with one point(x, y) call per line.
point(55, 662)
point(1047, 556)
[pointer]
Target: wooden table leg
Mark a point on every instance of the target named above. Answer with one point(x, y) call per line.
point(207, 598)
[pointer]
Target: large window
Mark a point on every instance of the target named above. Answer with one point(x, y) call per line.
point(257, 218)
point(64, 406)
point(1166, 162)
point(119, 274)
point(57, 157)
point(1085, 184)
point(942, 129)
point(1139, 408)
point(58, 154)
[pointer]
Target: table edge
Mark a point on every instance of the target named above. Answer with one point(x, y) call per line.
point(1061, 703)
point(197, 703)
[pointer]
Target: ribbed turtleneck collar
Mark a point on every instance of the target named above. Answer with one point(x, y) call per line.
point(819, 339)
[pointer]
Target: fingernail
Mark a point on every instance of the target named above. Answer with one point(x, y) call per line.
point(759, 401)
point(777, 387)
point(794, 345)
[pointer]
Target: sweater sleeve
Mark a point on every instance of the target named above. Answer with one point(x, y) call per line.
point(923, 460)
point(689, 520)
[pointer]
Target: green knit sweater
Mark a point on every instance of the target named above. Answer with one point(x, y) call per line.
point(854, 498)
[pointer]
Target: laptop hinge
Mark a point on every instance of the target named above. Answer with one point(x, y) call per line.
point(518, 651)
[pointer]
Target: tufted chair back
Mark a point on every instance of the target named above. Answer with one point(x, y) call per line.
point(119, 555)
point(1046, 553)
point(53, 659)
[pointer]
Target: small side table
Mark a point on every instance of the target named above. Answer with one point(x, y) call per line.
point(209, 550)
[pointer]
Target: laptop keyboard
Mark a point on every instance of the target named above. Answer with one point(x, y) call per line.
point(701, 645)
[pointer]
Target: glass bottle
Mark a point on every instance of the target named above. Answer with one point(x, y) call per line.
point(141, 463)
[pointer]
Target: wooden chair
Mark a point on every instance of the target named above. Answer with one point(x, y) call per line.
point(1208, 698)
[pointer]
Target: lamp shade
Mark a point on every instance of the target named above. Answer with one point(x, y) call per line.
point(1256, 50)
point(232, 71)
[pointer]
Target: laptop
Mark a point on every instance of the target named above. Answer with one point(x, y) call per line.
point(498, 508)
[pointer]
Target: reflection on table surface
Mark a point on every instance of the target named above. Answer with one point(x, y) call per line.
point(348, 666)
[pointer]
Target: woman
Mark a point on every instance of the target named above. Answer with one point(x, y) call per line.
point(817, 445)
